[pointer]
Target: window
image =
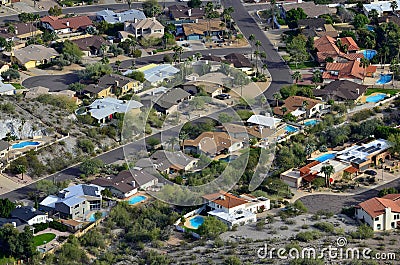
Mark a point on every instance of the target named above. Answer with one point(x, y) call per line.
point(393, 224)
point(377, 218)
point(379, 226)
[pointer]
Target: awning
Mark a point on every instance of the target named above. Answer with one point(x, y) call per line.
point(298, 113)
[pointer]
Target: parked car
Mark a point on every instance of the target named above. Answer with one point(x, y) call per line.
point(370, 172)
point(223, 96)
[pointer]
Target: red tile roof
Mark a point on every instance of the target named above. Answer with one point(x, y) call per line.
point(393, 197)
point(351, 44)
point(347, 70)
point(306, 169)
point(225, 199)
point(376, 206)
point(71, 22)
point(326, 47)
point(351, 170)
point(295, 102)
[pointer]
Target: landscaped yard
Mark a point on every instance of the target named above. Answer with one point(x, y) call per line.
point(43, 239)
point(17, 86)
point(302, 65)
point(382, 90)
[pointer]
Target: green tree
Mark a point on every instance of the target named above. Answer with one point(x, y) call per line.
point(252, 38)
point(151, 8)
point(6, 207)
point(224, 118)
point(73, 50)
point(95, 71)
point(316, 77)
point(152, 142)
point(194, 3)
point(55, 11)
point(21, 169)
point(360, 20)
point(297, 49)
point(393, 6)
point(294, 15)
point(277, 96)
point(212, 227)
point(373, 15)
point(48, 187)
point(10, 74)
point(395, 140)
point(297, 76)
point(86, 145)
point(327, 170)
point(91, 166)
point(364, 63)
point(232, 260)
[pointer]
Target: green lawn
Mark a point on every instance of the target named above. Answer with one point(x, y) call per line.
point(382, 90)
point(18, 86)
point(43, 239)
point(302, 65)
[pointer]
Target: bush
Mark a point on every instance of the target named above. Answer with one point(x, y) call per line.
point(363, 232)
point(308, 236)
point(58, 226)
point(40, 227)
point(324, 226)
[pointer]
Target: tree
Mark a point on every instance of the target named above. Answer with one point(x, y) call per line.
point(48, 187)
point(10, 74)
point(294, 15)
point(212, 227)
point(21, 169)
point(296, 76)
point(106, 193)
point(364, 63)
point(232, 260)
point(152, 142)
point(284, 110)
point(137, 75)
point(151, 8)
point(327, 170)
point(252, 38)
point(316, 77)
point(6, 207)
point(224, 118)
point(373, 15)
point(277, 96)
point(395, 140)
point(72, 50)
point(95, 71)
point(55, 11)
point(98, 215)
point(91, 166)
point(194, 3)
point(360, 21)
point(178, 50)
point(393, 6)
point(297, 49)
point(25, 17)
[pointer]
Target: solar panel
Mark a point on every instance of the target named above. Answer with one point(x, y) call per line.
point(361, 148)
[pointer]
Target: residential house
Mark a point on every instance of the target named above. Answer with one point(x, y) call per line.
point(155, 74)
point(148, 27)
point(300, 106)
point(266, 121)
point(211, 83)
point(240, 62)
point(341, 90)
point(29, 215)
point(91, 46)
point(237, 131)
point(6, 89)
point(112, 84)
point(310, 8)
point(112, 17)
point(15, 222)
point(380, 214)
point(182, 12)
point(169, 101)
point(233, 210)
point(203, 28)
point(105, 109)
point(67, 24)
point(22, 31)
point(72, 225)
point(127, 183)
point(167, 162)
point(351, 71)
point(4, 148)
point(316, 27)
point(340, 50)
point(362, 156)
point(382, 7)
point(74, 202)
point(212, 144)
point(33, 55)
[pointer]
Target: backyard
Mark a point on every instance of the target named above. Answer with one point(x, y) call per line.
point(43, 239)
point(381, 90)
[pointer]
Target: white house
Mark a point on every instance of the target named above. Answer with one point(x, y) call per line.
point(29, 215)
point(6, 89)
point(264, 120)
point(380, 213)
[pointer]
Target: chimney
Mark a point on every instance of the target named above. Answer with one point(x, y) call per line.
point(116, 83)
point(299, 1)
point(190, 12)
point(154, 19)
point(358, 91)
point(119, 18)
point(16, 31)
point(133, 183)
point(67, 23)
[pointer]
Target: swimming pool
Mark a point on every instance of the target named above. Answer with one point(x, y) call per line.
point(136, 199)
point(228, 158)
point(369, 54)
point(92, 218)
point(370, 28)
point(325, 157)
point(311, 122)
point(291, 129)
point(384, 79)
point(24, 144)
point(196, 221)
point(375, 98)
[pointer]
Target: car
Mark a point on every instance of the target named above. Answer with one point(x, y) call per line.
point(223, 96)
point(370, 172)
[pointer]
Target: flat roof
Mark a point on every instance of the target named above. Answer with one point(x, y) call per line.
point(360, 153)
point(337, 166)
point(231, 217)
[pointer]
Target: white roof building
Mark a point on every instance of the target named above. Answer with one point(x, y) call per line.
point(103, 108)
point(6, 89)
point(267, 121)
point(111, 17)
point(155, 74)
point(361, 153)
point(380, 7)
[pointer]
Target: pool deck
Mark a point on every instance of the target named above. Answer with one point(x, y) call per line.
point(188, 224)
point(139, 193)
point(364, 98)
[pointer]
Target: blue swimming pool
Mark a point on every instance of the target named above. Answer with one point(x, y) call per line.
point(196, 221)
point(384, 79)
point(291, 129)
point(370, 28)
point(228, 158)
point(369, 54)
point(325, 157)
point(311, 122)
point(136, 199)
point(375, 98)
point(24, 144)
point(92, 218)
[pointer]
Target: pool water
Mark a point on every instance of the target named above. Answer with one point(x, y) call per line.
point(24, 144)
point(325, 157)
point(375, 98)
point(196, 221)
point(227, 158)
point(384, 79)
point(136, 199)
point(291, 129)
point(370, 28)
point(310, 122)
point(369, 54)
point(92, 218)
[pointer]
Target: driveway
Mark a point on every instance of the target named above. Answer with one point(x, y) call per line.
point(53, 82)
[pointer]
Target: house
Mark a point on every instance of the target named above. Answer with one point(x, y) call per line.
point(240, 62)
point(33, 55)
point(212, 144)
point(211, 83)
point(310, 8)
point(29, 215)
point(382, 7)
point(4, 148)
point(237, 131)
point(202, 28)
point(72, 225)
point(351, 71)
point(148, 27)
point(6, 89)
point(362, 156)
point(91, 46)
point(328, 47)
point(168, 102)
point(74, 202)
point(127, 183)
point(341, 90)
point(380, 214)
point(105, 109)
point(67, 24)
point(155, 74)
point(266, 121)
point(112, 84)
point(112, 17)
point(316, 27)
point(233, 210)
point(15, 222)
point(181, 12)
point(300, 106)
point(22, 31)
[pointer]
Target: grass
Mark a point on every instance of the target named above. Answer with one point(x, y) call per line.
point(43, 239)
point(382, 90)
point(18, 86)
point(303, 65)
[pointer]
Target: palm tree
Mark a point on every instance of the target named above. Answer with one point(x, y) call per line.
point(209, 10)
point(373, 15)
point(327, 170)
point(393, 6)
point(264, 67)
point(309, 149)
point(364, 63)
point(316, 78)
point(21, 169)
point(118, 64)
point(284, 110)
point(172, 141)
point(277, 96)
point(252, 38)
point(304, 106)
point(256, 54)
point(297, 76)
point(8, 138)
point(178, 50)
point(198, 55)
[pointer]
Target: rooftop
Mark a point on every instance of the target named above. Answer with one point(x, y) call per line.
point(102, 108)
point(67, 22)
point(358, 154)
point(212, 142)
point(34, 53)
point(267, 121)
point(112, 17)
point(342, 89)
point(163, 160)
point(87, 43)
point(25, 213)
point(225, 199)
point(376, 206)
point(294, 103)
point(310, 8)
